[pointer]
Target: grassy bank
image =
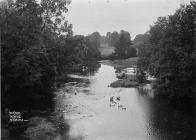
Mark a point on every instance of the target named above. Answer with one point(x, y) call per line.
point(127, 80)
point(122, 63)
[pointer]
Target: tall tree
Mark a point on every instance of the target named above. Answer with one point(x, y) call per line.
point(123, 45)
point(114, 38)
point(29, 38)
point(173, 52)
point(95, 39)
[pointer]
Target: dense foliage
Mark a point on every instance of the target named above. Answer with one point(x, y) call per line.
point(170, 52)
point(95, 39)
point(37, 49)
point(122, 44)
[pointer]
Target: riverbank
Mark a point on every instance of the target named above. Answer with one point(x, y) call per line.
point(124, 83)
point(126, 72)
point(121, 63)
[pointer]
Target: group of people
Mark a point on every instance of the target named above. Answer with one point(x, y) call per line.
point(113, 102)
point(67, 90)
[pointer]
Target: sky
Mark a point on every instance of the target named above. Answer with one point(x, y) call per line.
point(104, 16)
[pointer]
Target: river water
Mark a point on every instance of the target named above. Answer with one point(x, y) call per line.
point(135, 115)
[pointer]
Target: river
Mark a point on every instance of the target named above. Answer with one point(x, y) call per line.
point(133, 114)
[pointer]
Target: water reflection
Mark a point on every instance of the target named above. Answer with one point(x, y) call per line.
point(99, 112)
point(98, 120)
point(173, 118)
point(144, 117)
point(169, 119)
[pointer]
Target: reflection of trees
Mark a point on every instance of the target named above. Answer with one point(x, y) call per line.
point(92, 67)
point(173, 118)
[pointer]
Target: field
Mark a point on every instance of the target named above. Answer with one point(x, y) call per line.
point(106, 50)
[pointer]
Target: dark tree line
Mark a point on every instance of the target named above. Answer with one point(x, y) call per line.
point(37, 49)
point(122, 44)
point(170, 52)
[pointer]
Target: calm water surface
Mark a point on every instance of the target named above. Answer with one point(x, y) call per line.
point(135, 116)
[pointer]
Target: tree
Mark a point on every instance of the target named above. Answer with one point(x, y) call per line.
point(122, 47)
point(114, 38)
point(95, 39)
point(30, 42)
point(108, 37)
point(172, 58)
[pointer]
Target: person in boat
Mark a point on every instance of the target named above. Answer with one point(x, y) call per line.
point(112, 99)
point(118, 98)
point(75, 92)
